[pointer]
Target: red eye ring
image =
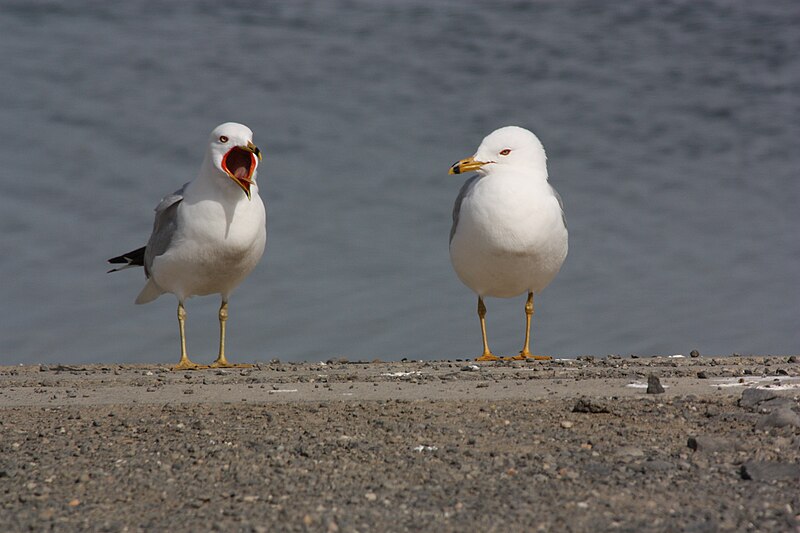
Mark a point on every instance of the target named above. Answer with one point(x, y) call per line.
point(505, 151)
point(223, 139)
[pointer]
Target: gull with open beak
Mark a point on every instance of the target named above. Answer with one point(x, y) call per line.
point(509, 233)
point(208, 235)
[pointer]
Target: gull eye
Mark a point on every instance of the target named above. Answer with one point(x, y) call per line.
point(505, 151)
point(223, 139)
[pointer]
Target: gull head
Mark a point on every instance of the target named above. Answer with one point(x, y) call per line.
point(508, 147)
point(233, 153)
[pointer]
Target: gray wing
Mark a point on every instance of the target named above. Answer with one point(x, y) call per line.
point(465, 190)
point(164, 227)
point(560, 204)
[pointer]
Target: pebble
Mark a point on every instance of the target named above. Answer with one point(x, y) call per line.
point(782, 417)
point(752, 397)
point(710, 444)
point(629, 451)
point(566, 424)
point(694, 353)
point(654, 385)
point(770, 471)
point(585, 405)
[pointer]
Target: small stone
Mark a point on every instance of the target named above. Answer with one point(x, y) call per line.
point(371, 496)
point(777, 403)
point(694, 353)
point(702, 375)
point(770, 471)
point(74, 502)
point(470, 368)
point(793, 359)
point(585, 405)
point(654, 385)
point(752, 397)
point(566, 424)
point(710, 444)
point(188, 391)
point(781, 417)
point(630, 451)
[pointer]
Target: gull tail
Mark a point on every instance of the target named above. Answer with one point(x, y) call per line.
point(131, 259)
point(150, 292)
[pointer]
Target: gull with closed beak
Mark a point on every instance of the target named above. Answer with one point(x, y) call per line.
point(509, 233)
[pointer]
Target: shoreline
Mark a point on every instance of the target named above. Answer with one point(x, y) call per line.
point(99, 384)
point(404, 446)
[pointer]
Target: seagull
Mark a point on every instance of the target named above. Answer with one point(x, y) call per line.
point(509, 233)
point(208, 235)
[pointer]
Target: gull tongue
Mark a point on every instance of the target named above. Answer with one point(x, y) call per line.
point(241, 173)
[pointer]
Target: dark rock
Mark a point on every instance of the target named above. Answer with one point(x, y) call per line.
point(694, 353)
point(793, 359)
point(654, 385)
point(702, 375)
point(777, 403)
point(585, 405)
point(770, 471)
point(752, 397)
point(710, 444)
point(782, 417)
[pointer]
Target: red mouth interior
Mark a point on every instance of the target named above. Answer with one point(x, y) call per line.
point(240, 163)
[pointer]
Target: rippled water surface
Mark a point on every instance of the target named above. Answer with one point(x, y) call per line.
point(672, 132)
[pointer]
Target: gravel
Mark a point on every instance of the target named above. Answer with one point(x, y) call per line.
point(348, 446)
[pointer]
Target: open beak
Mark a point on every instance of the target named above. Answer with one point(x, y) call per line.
point(239, 163)
point(466, 165)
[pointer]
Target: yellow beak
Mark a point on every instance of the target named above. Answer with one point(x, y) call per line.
point(466, 165)
point(253, 148)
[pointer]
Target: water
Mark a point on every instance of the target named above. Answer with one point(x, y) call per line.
point(671, 127)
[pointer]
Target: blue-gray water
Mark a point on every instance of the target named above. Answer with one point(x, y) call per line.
point(672, 130)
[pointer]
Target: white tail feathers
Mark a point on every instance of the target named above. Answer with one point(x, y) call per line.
point(150, 292)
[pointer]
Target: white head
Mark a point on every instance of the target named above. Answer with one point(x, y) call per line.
point(510, 146)
point(232, 152)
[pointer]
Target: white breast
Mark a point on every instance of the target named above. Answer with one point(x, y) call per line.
point(510, 237)
point(216, 246)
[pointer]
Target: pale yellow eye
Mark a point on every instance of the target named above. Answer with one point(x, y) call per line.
point(505, 151)
point(223, 139)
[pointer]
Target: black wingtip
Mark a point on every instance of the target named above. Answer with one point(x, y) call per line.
point(130, 259)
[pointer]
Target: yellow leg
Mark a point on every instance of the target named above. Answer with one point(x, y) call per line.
point(526, 352)
point(221, 361)
point(487, 353)
point(184, 363)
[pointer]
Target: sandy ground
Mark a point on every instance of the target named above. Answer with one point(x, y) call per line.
point(404, 446)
